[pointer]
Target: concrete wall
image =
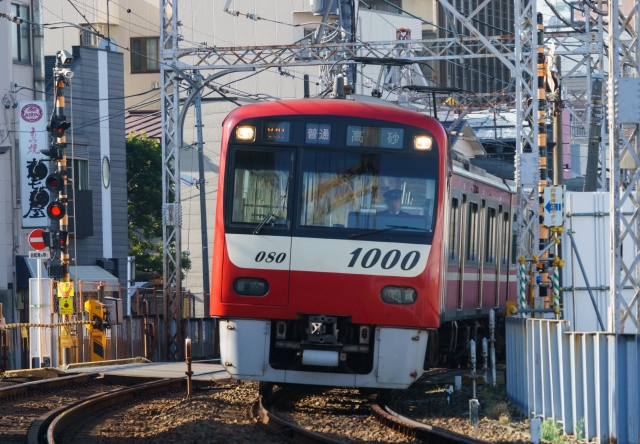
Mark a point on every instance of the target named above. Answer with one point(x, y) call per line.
point(142, 21)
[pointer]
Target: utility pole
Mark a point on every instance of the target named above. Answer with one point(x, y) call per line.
point(595, 128)
point(558, 177)
point(57, 238)
point(203, 201)
point(542, 152)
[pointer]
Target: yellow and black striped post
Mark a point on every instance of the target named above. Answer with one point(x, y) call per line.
point(542, 147)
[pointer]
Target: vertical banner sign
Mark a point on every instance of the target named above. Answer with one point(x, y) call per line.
point(553, 206)
point(32, 129)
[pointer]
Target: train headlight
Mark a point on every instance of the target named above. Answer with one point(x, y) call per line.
point(423, 143)
point(251, 286)
point(246, 133)
point(398, 295)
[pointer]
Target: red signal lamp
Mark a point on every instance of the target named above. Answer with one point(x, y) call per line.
point(56, 210)
point(55, 182)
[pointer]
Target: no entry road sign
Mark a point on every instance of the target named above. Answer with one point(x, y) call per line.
point(35, 239)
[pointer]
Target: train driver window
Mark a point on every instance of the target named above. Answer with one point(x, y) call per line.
point(342, 189)
point(261, 186)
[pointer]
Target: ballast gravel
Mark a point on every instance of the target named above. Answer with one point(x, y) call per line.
point(342, 414)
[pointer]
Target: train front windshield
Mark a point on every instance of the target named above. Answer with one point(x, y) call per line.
point(338, 190)
point(357, 190)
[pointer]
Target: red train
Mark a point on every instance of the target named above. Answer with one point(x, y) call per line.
point(348, 244)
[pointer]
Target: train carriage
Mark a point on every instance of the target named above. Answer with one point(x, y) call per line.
point(348, 243)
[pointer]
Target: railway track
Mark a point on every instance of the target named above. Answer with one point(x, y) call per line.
point(70, 418)
point(267, 409)
point(22, 404)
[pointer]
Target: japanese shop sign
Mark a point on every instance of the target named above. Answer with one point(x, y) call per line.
point(33, 136)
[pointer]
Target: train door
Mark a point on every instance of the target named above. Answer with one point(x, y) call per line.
point(472, 258)
point(454, 246)
point(489, 278)
point(511, 255)
point(500, 234)
point(482, 242)
point(258, 226)
point(464, 224)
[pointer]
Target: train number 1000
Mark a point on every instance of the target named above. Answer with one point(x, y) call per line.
point(390, 259)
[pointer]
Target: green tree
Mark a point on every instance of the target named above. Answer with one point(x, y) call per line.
point(144, 206)
point(144, 184)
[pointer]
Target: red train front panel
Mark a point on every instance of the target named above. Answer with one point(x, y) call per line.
point(328, 246)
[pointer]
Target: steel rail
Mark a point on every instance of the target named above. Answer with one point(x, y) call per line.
point(414, 429)
point(45, 384)
point(44, 429)
point(264, 411)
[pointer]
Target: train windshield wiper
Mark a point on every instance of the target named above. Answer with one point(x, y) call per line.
point(272, 210)
point(389, 228)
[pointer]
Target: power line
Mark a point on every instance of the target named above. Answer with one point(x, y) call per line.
point(82, 15)
point(90, 100)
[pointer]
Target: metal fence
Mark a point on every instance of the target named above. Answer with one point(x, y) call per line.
point(575, 377)
point(141, 333)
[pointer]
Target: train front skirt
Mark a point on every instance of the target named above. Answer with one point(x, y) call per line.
point(399, 355)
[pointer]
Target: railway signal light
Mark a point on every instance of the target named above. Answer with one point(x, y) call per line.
point(56, 210)
point(37, 171)
point(55, 239)
point(55, 182)
point(39, 198)
point(57, 126)
point(55, 268)
point(55, 151)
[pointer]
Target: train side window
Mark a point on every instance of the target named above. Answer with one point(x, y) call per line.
point(454, 229)
point(472, 232)
point(490, 237)
point(505, 238)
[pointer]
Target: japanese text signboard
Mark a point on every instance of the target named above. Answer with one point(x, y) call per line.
point(553, 206)
point(32, 123)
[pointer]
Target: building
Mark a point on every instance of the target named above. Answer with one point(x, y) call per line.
point(132, 24)
point(95, 152)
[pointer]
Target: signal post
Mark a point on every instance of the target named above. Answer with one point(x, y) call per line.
point(56, 239)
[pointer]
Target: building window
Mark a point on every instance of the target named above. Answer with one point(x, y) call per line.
point(21, 35)
point(145, 54)
point(79, 173)
point(380, 5)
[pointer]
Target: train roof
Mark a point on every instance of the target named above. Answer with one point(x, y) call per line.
point(379, 109)
point(472, 172)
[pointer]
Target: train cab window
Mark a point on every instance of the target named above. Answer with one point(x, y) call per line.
point(472, 232)
point(454, 229)
point(368, 191)
point(506, 234)
point(261, 185)
point(490, 236)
